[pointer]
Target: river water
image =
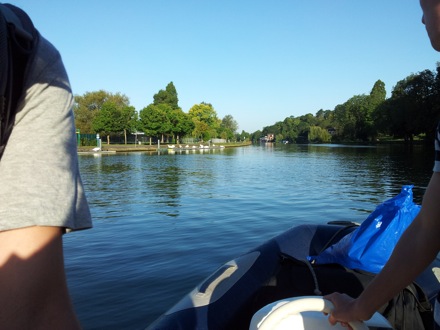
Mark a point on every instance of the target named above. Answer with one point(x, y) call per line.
point(163, 222)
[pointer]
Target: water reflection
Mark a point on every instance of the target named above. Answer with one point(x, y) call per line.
point(164, 182)
point(161, 186)
point(376, 170)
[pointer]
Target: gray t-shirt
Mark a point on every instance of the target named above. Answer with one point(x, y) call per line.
point(40, 183)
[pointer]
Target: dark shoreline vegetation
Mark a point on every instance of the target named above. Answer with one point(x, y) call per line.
point(410, 115)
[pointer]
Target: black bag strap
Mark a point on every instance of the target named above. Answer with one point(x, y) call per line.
point(18, 41)
point(420, 296)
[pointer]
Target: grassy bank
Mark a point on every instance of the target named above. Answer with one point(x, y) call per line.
point(146, 147)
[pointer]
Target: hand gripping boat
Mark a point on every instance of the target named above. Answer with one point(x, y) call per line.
point(246, 289)
point(302, 313)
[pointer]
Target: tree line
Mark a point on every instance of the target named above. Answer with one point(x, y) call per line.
point(163, 120)
point(412, 110)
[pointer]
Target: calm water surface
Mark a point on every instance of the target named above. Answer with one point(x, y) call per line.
point(164, 222)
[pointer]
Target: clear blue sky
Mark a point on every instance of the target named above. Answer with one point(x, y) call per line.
point(259, 61)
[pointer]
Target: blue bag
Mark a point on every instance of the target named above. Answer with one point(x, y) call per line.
point(369, 247)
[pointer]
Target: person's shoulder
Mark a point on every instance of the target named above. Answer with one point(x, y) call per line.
point(45, 53)
point(47, 66)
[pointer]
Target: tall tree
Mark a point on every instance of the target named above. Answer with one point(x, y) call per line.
point(228, 122)
point(228, 128)
point(167, 96)
point(378, 94)
point(376, 108)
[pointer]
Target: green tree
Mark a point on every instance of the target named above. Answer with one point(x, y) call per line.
point(181, 124)
point(174, 121)
point(359, 105)
point(378, 94)
point(376, 100)
point(353, 118)
point(108, 120)
point(167, 96)
point(291, 128)
point(228, 122)
point(244, 136)
point(129, 120)
point(426, 98)
point(412, 109)
point(324, 118)
point(87, 106)
point(255, 136)
point(319, 135)
point(228, 128)
point(303, 127)
point(206, 122)
point(382, 117)
point(154, 120)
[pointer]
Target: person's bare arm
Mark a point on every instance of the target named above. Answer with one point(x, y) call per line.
point(33, 289)
point(417, 247)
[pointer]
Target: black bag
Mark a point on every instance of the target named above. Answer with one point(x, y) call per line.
point(409, 310)
point(18, 44)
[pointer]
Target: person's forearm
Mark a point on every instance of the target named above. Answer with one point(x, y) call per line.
point(33, 287)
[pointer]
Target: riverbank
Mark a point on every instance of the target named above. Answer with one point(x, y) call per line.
point(112, 148)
